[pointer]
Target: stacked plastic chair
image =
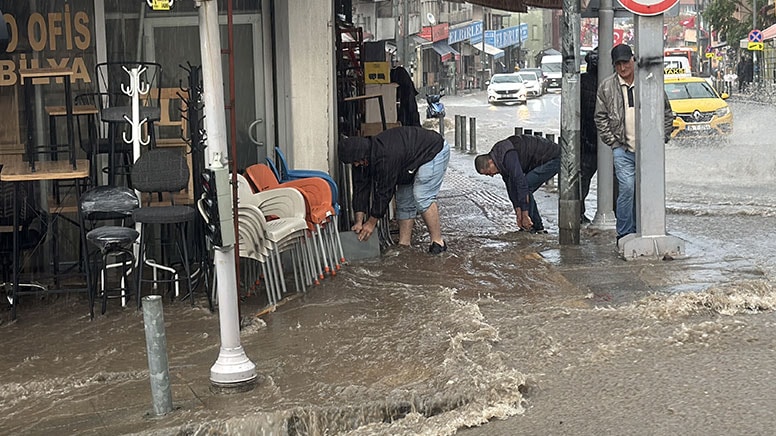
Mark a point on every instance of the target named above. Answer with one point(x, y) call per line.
point(270, 223)
point(285, 174)
point(319, 211)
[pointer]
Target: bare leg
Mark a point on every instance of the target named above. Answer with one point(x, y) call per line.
point(431, 218)
point(405, 232)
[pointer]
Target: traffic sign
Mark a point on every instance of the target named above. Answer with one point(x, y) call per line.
point(755, 36)
point(755, 46)
point(648, 7)
point(709, 55)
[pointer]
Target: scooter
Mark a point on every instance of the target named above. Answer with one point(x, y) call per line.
point(435, 109)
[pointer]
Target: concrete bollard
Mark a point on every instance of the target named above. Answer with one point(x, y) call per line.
point(156, 344)
point(527, 131)
point(442, 126)
point(538, 133)
point(472, 135)
point(518, 131)
point(457, 132)
point(463, 133)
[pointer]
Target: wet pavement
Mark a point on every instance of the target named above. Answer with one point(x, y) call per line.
point(506, 326)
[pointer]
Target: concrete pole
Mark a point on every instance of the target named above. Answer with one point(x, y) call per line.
point(472, 135)
point(232, 369)
point(650, 238)
point(156, 345)
point(569, 177)
point(604, 215)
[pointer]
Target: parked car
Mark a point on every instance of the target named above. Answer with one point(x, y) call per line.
point(506, 87)
point(532, 86)
point(552, 67)
point(699, 109)
point(540, 75)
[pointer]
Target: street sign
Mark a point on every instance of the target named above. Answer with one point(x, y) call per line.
point(755, 36)
point(648, 7)
point(755, 46)
point(709, 55)
point(160, 5)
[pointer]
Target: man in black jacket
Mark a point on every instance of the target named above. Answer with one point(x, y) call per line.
point(407, 161)
point(525, 162)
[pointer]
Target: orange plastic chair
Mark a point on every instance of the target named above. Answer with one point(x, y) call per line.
point(319, 210)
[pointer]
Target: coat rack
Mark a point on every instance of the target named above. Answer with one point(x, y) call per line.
point(134, 90)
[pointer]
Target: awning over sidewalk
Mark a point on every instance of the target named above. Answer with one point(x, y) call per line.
point(445, 51)
point(769, 33)
point(488, 49)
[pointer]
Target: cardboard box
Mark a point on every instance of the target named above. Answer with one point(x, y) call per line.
point(377, 72)
point(388, 91)
point(372, 129)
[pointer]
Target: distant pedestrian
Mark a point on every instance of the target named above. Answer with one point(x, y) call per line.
point(588, 131)
point(615, 118)
point(408, 161)
point(525, 162)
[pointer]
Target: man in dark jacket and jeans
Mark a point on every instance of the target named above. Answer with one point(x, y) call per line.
point(525, 162)
point(408, 161)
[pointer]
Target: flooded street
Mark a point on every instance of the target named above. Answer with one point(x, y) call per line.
point(506, 326)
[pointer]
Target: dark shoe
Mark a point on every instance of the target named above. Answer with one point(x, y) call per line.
point(584, 220)
point(534, 230)
point(436, 248)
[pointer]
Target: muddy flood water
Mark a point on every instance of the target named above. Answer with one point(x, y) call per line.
point(506, 327)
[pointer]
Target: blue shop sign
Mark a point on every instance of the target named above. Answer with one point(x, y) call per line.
point(466, 32)
point(507, 37)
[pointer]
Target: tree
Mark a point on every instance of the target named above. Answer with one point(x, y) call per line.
point(732, 19)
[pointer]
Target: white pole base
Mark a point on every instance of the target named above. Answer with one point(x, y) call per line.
point(233, 369)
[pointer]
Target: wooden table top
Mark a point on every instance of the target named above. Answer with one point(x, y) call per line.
point(44, 170)
point(60, 111)
point(45, 72)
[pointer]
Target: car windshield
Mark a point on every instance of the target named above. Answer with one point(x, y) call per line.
point(528, 76)
point(551, 68)
point(685, 90)
point(507, 78)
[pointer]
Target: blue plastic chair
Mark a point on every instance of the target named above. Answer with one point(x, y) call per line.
point(284, 174)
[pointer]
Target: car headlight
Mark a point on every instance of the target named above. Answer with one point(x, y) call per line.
point(721, 112)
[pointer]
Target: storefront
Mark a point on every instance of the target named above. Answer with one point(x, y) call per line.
point(79, 34)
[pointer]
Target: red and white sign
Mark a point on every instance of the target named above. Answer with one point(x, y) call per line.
point(617, 37)
point(648, 7)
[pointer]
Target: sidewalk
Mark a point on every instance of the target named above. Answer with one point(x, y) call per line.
point(407, 336)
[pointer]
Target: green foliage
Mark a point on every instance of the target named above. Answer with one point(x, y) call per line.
point(720, 14)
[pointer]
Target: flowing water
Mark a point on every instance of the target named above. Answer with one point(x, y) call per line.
point(564, 340)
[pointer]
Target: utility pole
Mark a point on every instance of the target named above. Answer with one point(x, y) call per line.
point(604, 214)
point(232, 369)
point(569, 207)
point(755, 69)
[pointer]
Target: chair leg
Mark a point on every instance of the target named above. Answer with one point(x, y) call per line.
point(139, 264)
point(186, 266)
point(103, 275)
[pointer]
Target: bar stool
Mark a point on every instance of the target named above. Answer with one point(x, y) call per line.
point(104, 203)
point(163, 171)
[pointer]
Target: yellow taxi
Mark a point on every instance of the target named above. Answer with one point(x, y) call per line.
point(699, 109)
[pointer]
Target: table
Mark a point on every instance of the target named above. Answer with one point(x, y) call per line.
point(28, 80)
point(17, 172)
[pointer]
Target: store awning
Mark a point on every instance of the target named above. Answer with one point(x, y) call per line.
point(445, 51)
point(419, 41)
point(769, 33)
point(488, 49)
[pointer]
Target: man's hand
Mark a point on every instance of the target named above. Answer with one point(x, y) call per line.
point(523, 220)
point(365, 230)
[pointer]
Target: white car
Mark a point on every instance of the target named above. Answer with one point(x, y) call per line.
point(506, 87)
point(532, 85)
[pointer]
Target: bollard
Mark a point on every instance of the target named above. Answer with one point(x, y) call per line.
point(527, 132)
point(472, 135)
point(463, 133)
point(442, 125)
point(551, 137)
point(518, 131)
point(156, 344)
point(538, 133)
point(457, 132)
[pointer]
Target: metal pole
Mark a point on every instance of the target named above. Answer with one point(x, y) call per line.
point(156, 345)
point(569, 204)
point(442, 126)
point(463, 133)
point(232, 369)
point(518, 131)
point(457, 132)
point(472, 135)
point(604, 214)
point(755, 69)
point(650, 238)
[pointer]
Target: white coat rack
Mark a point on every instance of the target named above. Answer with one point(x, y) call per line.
point(135, 89)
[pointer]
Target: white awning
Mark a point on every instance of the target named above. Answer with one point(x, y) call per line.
point(488, 49)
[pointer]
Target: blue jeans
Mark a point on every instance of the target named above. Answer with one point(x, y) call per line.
point(536, 178)
point(422, 193)
point(625, 170)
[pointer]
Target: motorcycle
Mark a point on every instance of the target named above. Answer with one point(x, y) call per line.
point(435, 109)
